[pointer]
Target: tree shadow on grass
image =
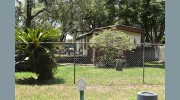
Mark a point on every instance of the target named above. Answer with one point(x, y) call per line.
point(33, 81)
point(155, 65)
point(104, 67)
point(162, 66)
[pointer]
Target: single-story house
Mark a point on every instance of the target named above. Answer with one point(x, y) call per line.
point(83, 48)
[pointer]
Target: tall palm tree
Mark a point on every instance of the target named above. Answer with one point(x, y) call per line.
point(39, 53)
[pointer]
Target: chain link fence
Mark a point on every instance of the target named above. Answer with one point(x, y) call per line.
point(154, 59)
point(141, 64)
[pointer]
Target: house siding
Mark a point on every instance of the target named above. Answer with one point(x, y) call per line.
point(134, 36)
point(82, 46)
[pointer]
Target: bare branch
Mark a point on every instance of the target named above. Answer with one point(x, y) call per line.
point(40, 11)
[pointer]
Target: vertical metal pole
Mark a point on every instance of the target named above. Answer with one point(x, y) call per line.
point(74, 58)
point(74, 65)
point(143, 62)
point(82, 95)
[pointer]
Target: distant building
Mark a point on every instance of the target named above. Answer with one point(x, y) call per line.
point(83, 48)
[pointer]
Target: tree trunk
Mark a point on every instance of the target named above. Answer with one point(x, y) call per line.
point(45, 65)
point(45, 75)
point(28, 15)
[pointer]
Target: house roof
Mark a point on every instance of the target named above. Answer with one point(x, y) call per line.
point(117, 27)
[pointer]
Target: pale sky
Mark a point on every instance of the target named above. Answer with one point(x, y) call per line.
point(69, 37)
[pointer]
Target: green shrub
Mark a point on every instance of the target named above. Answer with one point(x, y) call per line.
point(111, 44)
point(39, 53)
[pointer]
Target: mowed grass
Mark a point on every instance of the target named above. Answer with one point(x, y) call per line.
point(102, 84)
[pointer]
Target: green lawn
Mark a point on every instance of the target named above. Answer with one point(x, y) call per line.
point(102, 84)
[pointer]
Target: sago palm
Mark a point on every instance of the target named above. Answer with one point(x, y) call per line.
point(39, 53)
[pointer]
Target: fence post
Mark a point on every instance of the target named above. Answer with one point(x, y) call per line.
point(143, 61)
point(74, 65)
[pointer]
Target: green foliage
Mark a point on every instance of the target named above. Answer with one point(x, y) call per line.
point(78, 16)
point(112, 39)
point(38, 53)
point(111, 44)
point(40, 13)
point(146, 14)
